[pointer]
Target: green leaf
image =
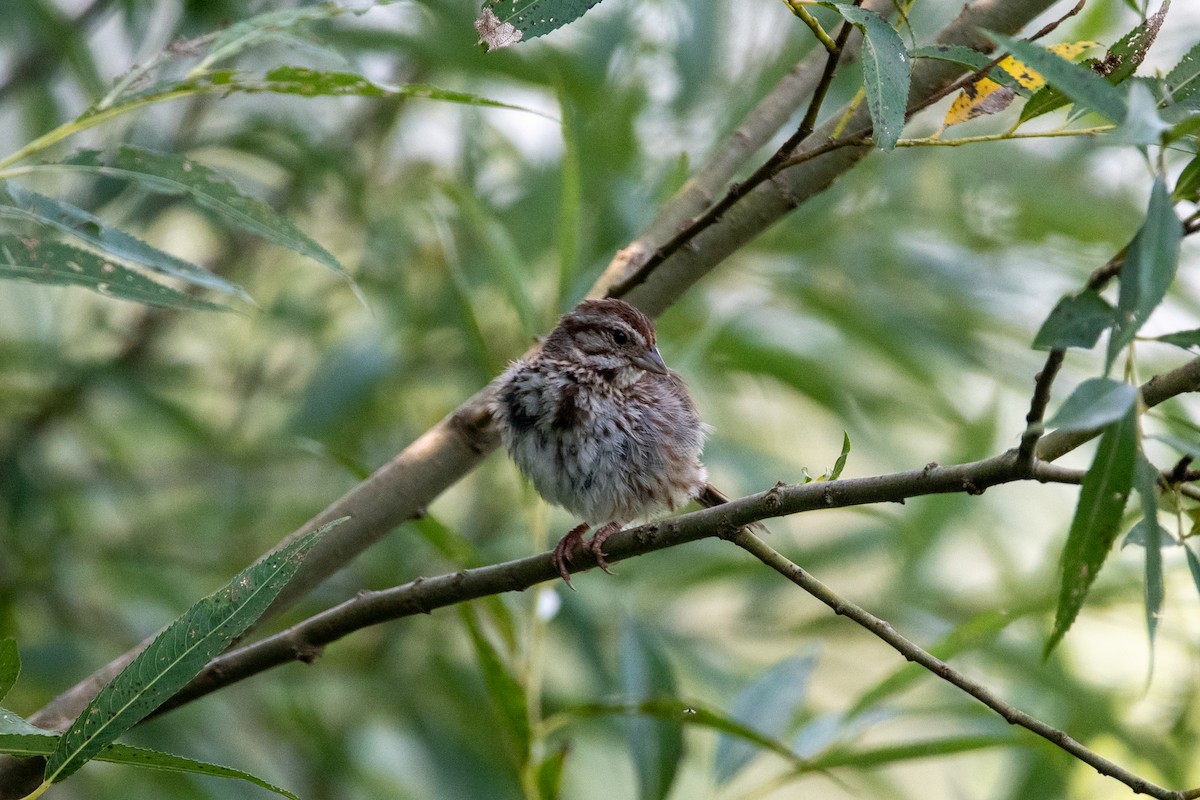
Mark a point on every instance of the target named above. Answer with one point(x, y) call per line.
point(503, 23)
point(10, 665)
point(1076, 321)
point(695, 714)
point(1145, 482)
point(312, 83)
point(955, 54)
point(1193, 561)
point(176, 656)
point(506, 692)
point(1121, 61)
point(1079, 83)
point(887, 72)
point(1102, 498)
point(549, 774)
point(13, 725)
point(1183, 81)
point(1149, 269)
point(1094, 403)
point(959, 54)
point(768, 705)
point(1182, 445)
point(1128, 53)
point(840, 464)
point(1185, 339)
point(656, 745)
point(1187, 187)
point(1143, 126)
point(249, 32)
point(21, 203)
point(892, 754)
point(19, 738)
point(168, 173)
point(27, 258)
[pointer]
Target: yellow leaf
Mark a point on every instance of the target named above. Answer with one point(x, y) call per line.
point(986, 96)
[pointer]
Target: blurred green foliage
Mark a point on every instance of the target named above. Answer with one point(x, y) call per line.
point(146, 455)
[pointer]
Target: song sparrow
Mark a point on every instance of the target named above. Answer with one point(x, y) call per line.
point(601, 427)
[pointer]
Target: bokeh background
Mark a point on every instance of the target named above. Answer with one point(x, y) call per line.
point(147, 455)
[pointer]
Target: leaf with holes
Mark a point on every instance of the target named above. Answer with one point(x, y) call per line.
point(1079, 83)
point(503, 23)
point(20, 203)
point(28, 258)
point(1121, 61)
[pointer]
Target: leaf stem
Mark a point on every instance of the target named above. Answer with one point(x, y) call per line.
point(797, 8)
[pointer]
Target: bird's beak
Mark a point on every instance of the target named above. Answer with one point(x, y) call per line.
point(651, 360)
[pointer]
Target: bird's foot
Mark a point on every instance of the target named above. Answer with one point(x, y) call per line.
point(597, 542)
point(566, 550)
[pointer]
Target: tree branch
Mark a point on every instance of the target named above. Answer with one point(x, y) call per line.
point(913, 652)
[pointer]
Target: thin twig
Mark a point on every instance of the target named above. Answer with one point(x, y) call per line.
point(1037, 407)
point(913, 652)
point(738, 190)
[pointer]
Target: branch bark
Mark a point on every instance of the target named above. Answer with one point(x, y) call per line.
point(402, 488)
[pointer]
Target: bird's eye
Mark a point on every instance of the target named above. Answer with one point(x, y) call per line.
point(620, 337)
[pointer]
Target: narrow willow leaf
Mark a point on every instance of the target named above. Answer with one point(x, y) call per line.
point(1076, 321)
point(549, 774)
point(1193, 561)
point(893, 754)
point(1102, 499)
point(176, 656)
point(10, 665)
point(1121, 61)
point(887, 72)
point(1182, 445)
point(1183, 81)
point(767, 705)
point(249, 32)
point(13, 725)
point(1149, 269)
point(1184, 339)
point(21, 203)
point(312, 83)
point(840, 464)
point(955, 54)
point(1079, 83)
point(656, 745)
point(505, 691)
point(1128, 53)
point(503, 23)
point(694, 714)
point(168, 173)
point(26, 258)
point(1142, 126)
point(1094, 403)
point(1187, 187)
point(1145, 482)
point(19, 738)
